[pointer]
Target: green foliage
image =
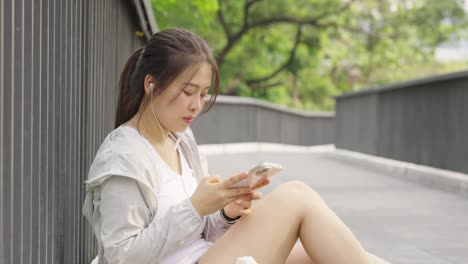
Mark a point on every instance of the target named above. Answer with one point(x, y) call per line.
point(342, 47)
point(195, 14)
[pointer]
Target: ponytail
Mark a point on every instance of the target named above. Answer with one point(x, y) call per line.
point(130, 97)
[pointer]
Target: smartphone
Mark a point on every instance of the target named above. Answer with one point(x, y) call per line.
point(258, 173)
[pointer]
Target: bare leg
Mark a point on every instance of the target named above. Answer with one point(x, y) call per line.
point(290, 211)
point(376, 259)
point(298, 255)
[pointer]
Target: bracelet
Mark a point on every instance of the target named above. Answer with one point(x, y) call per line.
point(227, 219)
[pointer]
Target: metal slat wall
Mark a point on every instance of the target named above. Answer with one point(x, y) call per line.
point(59, 67)
point(421, 121)
point(236, 119)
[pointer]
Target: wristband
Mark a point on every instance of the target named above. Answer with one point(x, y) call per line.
point(227, 219)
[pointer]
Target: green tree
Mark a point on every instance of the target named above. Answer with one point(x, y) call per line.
point(391, 41)
point(302, 52)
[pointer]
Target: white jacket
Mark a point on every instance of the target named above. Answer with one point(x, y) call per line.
point(135, 237)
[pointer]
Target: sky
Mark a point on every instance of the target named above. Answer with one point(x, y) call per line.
point(453, 51)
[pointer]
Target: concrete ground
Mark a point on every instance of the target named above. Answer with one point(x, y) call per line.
point(400, 221)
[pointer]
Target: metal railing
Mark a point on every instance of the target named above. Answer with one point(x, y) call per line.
point(422, 121)
point(237, 119)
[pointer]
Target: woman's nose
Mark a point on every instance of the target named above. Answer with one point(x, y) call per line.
point(195, 104)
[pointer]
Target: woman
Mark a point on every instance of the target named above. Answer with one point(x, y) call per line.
point(150, 199)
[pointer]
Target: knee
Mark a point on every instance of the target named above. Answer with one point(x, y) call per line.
point(297, 197)
point(299, 191)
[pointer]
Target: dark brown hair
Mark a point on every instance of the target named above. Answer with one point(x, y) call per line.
point(166, 55)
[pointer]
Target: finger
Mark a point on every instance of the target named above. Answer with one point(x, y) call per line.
point(244, 204)
point(235, 179)
point(264, 182)
point(251, 196)
point(246, 197)
point(246, 211)
point(257, 196)
point(238, 192)
point(230, 200)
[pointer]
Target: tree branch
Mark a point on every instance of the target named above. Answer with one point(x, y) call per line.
point(313, 21)
point(232, 85)
point(265, 86)
point(247, 6)
point(222, 20)
point(278, 20)
point(339, 10)
point(234, 38)
point(290, 60)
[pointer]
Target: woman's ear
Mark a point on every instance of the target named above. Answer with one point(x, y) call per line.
point(150, 84)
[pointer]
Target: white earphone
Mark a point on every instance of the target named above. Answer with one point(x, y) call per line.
point(151, 86)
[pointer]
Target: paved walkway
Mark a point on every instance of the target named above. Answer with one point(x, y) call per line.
point(401, 221)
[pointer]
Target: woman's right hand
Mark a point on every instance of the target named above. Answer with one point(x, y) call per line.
point(213, 193)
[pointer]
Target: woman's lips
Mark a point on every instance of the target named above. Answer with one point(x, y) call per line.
point(188, 120)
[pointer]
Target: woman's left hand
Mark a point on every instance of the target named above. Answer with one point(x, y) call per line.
point(243, 205)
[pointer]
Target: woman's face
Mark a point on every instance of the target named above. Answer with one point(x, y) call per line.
point(175, 109)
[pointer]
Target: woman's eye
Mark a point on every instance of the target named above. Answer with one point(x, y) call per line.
point(204, 96)
point(187, 93)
